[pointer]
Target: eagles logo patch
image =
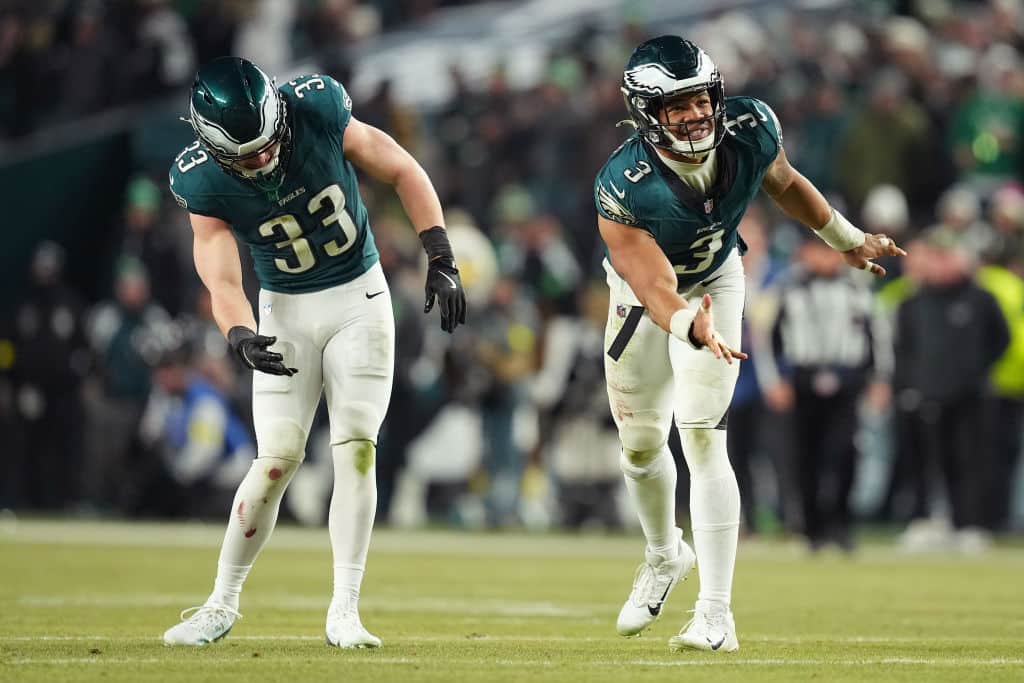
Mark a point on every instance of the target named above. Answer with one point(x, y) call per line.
point(613, 207)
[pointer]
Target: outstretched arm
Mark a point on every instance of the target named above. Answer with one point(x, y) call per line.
point(801, 200)
point(641, 262)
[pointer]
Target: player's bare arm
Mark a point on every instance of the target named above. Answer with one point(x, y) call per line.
point(378, 154)
point(216, 256)
point(375, 152)
point(638, 259)
point(801, 200)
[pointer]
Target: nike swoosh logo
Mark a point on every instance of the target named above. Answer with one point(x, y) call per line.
point(656, 609)
point(370, 296)
point(618, 193)
point(454, 286)
point(715, 646)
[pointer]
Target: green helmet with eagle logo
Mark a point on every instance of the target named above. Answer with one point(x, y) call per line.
point(238, 113)
point(661, 69)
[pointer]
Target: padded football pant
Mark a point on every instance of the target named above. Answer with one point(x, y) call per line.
point(652, 375)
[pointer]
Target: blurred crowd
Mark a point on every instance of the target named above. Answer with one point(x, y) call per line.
point(61, 60)
point(909, 116)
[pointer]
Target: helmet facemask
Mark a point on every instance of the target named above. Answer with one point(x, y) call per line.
point(244, 132)
point(645, 111)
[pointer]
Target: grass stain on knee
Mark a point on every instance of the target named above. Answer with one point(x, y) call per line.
point(363, 457)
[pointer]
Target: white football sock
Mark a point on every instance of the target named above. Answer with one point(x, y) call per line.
point(653, 491)
point(714, 510)
point(253, 516)
point(353, 507)
point(228, 584)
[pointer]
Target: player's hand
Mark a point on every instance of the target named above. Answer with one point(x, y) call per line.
point(873, 247)
point(444, 286)
point(703, 333)
point(779, 396)
point(253, 351)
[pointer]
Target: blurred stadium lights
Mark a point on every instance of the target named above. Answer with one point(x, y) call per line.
point(518, 36)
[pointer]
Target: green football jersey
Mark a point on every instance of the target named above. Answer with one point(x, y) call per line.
point(313, 233)
point(695, 231)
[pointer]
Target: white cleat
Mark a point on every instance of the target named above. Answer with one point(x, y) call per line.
point(345, 630)
point(208, 624)
point(652, 583)
point(712, 628)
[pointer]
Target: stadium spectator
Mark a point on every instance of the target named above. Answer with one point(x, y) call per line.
point(951, 317)
point(52, 357)
point(122, 333)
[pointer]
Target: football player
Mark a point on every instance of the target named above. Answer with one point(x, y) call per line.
point(669, 201)
point(273, 167)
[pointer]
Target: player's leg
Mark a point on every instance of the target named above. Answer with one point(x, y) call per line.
point(703, 391)
point(283, 410)
point(638, 377)
point(358, 373)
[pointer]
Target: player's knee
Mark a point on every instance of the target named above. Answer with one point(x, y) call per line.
point(355, 421)
point(639, 464)
point(705, 452)
point(641, 444)
point(360, 455)
point(642, 439)
point(282, 438)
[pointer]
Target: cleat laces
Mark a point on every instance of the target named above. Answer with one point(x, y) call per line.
point(649, 586)
point(206, 617)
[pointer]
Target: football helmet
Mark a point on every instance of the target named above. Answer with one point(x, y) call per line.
point(663, 68)
point(238, 113)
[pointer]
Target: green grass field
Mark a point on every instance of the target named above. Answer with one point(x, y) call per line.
point(89, 601)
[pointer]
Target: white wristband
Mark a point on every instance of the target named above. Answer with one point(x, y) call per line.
point(680, 323)
point(841, 234)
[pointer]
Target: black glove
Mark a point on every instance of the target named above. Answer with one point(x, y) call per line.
point(252, 350)
point(443, 279)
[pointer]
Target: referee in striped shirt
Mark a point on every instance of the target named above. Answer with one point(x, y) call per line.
point(824, 346)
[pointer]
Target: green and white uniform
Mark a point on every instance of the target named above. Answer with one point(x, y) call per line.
point(698, 233)
point(323, 294)
point(313, 232)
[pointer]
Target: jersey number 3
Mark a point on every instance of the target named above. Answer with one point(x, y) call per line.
point(711, 243)
point(329, 201)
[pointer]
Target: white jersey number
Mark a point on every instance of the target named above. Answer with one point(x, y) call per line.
point(196, 156)
point(712, 242)
point(312, 81)
point(330, 198)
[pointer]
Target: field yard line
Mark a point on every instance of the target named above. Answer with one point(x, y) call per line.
point(18, 531)
point(726, 660)
point(272, 638)
point(523, 638)
point(75, 661)
point(211, 535)
point(483, 606)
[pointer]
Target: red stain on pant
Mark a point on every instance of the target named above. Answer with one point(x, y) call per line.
point(274, 474)
point(240, 513)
